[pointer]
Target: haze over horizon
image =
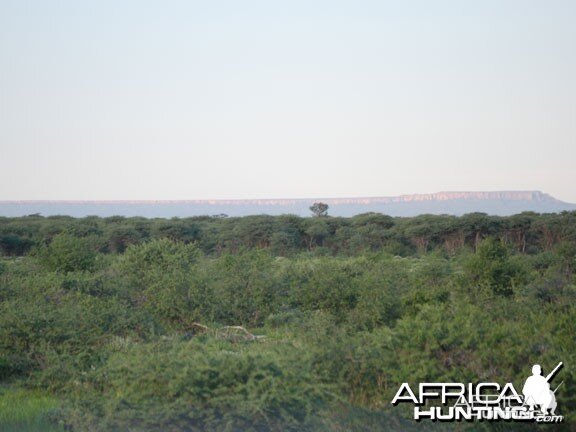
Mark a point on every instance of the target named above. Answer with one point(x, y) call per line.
point(502, 203)
point(440, 196)
point(226, 100)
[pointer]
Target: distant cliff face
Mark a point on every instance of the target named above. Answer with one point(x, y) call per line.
point(449, 196)
point(478, 196)
point(502, 203)
point(457, 203)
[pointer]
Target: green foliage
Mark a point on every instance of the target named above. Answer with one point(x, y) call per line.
point(244, 288)
point(350, 308)
point(285, 235)
point(13, 244)
point(67, 253)
point(319, 209)
point(36, 331)
point(26, 411)
point(327, 284)
point(492, 267)
point(158, 276)
point(201, 385)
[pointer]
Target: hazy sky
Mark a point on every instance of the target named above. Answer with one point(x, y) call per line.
point(248, 99)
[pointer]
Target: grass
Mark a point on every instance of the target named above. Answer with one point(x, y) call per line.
point(24, 411)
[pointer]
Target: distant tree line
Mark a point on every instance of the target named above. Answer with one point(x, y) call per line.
point(109, 317)
point(288, 234)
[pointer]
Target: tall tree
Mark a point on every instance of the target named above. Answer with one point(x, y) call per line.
point(319, 209)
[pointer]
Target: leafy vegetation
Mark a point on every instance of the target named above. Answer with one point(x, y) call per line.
point(27, 411)
point(105, 324)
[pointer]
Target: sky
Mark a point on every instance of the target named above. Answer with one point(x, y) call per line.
point(228, 99)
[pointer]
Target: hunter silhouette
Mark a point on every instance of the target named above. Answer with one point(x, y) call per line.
point(537, 391)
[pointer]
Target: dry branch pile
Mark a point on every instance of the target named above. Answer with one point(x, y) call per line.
point(229, 333)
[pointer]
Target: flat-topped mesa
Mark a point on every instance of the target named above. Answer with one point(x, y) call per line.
point(500, 203)
point(477, 196)
point(437, 196)
point(447, 196)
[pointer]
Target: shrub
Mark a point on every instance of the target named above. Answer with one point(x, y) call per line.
point(67, 254)
point(201, 385)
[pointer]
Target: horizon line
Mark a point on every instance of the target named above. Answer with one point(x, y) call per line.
point(416, 196)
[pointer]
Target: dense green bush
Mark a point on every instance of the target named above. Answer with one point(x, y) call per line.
point(67, 253)
point(288, 234)
point(350, 308)
point(201, 385)
point(492, 267)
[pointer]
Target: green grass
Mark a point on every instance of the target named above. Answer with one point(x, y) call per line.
point(24, 411)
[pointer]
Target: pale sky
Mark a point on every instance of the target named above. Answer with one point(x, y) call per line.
point(251, 99)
